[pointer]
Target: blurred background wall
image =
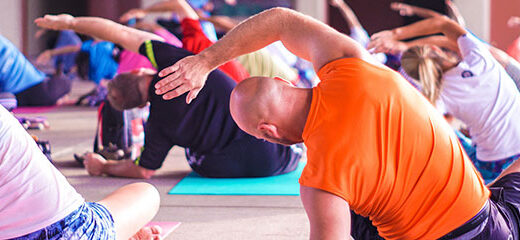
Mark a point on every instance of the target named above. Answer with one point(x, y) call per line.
point(11, 25)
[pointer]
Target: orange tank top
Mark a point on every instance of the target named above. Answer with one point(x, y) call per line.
point(374, 141)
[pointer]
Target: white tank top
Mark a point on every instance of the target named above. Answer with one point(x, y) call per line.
point(33, 193)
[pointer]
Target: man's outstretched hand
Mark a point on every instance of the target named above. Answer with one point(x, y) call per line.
point(55, 22)
point(187, 75)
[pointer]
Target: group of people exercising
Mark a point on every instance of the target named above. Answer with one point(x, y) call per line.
point(382, 160)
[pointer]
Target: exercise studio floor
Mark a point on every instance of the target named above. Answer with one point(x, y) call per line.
point(202, 216)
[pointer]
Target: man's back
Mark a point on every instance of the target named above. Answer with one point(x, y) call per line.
point(374, 141)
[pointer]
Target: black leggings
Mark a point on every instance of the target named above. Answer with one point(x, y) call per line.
point(45, 93)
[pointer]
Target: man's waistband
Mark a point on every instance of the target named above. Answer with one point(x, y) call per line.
point(472, 224)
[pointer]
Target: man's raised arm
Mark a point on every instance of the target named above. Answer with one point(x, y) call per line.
point(301, 34)
point(105, 29)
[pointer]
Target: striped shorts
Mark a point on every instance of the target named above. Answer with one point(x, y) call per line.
point(89, 221)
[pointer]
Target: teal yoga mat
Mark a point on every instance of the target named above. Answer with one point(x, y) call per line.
point(286, 184)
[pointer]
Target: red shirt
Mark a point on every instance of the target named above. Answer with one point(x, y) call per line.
point(195, 41)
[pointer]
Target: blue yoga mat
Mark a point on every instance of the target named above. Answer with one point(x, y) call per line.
point(286, 184)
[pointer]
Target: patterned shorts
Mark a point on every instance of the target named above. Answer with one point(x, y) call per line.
point(89, 221)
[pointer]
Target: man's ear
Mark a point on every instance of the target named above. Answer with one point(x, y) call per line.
point(268, 129)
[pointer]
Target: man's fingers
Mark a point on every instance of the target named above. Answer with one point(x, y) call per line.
point(168, 70)
point(183, 88)
point(168, 87)
point(192, 95)
point(164, 84)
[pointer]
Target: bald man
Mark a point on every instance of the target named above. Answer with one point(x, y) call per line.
point(375, 145)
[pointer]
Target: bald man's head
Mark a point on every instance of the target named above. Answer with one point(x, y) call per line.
point(259, 107)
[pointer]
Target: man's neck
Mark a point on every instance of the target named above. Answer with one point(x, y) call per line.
point(297, 110)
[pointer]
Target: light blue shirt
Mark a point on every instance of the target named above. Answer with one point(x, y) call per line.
point(16, 72)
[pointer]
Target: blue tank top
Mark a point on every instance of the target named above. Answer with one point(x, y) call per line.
point(16, 72)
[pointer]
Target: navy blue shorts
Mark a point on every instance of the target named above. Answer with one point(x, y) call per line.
point(246, 157)
point(89, 221)
point(45, 93)
point(498, 220)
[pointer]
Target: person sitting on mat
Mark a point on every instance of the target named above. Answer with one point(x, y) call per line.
point(65, 63)
point(99, 61)
point(381, 161)
point(39, 203)
point(30, 86)
point(474, 83)
point(509, 63)
point(215, 146)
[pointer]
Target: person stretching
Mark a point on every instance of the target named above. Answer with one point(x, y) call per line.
point(39, 203)
point(375, 145)
point(30, 86)
point(215, 146)
point(475, 84)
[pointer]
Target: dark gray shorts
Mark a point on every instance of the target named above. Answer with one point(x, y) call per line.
point(45, 93)
point(498, 220)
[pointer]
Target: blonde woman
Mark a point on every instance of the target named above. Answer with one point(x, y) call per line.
point(475, 88)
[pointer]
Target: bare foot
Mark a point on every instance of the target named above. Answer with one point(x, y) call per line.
point(148, 233)
point(94, 163)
